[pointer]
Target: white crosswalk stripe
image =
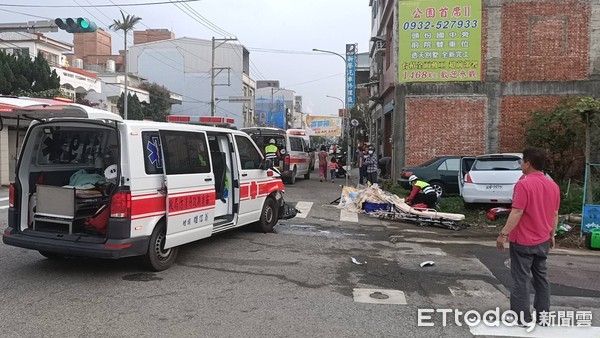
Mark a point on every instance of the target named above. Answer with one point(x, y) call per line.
point(304, 208)
point(346, 216)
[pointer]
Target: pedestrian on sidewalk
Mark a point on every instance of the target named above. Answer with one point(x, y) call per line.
point(323, 158)
point(333, 168)
point(372, 165)
point(530, 229)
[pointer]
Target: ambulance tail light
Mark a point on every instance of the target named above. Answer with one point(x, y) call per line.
point(468, 178)
point(120, 205)
point(11, 196)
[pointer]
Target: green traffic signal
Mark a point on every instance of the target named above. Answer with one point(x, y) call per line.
point(83, 23)
point(76, 25)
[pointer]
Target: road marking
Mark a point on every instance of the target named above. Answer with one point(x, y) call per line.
point(418, 231)
point(539, 331)
point(4, 207)
point(347, 216)
point(379, 296)
point(304, 208)
point(4, 198)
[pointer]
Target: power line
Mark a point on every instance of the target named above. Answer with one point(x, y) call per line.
point(280, 51)
point(315, 80)
point(121, 35)
point(194, 14)
point(103, 5)
point(31, 15)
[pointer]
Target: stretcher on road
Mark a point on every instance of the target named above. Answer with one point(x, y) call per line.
point(401, 211)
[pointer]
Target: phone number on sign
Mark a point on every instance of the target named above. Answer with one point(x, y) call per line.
point(447, 24)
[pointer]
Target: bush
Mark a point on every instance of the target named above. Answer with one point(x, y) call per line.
point(571, 203)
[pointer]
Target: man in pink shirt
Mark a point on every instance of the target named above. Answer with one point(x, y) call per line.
point(530, 229)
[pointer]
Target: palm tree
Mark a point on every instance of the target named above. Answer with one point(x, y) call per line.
point(125, 25)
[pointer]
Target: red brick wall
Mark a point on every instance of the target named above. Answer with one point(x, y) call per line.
point(444, 126)
point(545, 41)
point(513, 112)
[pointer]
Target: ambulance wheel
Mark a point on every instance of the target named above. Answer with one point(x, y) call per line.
point(292, 178)
point(158, 258)
point(268, 216)
point(51, 255)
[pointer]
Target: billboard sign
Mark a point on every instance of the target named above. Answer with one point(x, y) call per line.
point(439, 40)
point(351, 61)
point(323, 126)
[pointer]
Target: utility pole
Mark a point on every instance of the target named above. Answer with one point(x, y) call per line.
point(213, 106)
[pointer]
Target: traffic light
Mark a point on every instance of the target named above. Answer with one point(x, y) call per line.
point(76, 25)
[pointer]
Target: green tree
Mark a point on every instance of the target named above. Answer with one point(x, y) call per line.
point(135, 107)
point(160, 102)
point(561, 133)
point(25, 77)
point(6, 78)
point(588, 109)
point(125, 25)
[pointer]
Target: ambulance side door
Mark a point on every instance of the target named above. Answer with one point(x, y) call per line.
point(250, 174)
point(190, 186)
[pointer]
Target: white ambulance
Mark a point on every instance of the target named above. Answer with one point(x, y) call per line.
point(295, 158)
point(89, 183)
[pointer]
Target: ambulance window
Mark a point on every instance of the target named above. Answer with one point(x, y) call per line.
point(152, 153)
point(296, 144)
point(250, 158)
point(185, 152)
point(305, 145)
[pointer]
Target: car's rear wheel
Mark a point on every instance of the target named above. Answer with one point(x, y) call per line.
point(439, 187)
point(158, 258)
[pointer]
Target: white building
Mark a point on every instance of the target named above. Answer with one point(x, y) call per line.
point(72, 81)
point(184, 66)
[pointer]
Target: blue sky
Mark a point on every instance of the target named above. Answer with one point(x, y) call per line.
point(283, 25)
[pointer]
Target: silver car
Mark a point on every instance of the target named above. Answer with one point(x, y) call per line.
point(491, 178)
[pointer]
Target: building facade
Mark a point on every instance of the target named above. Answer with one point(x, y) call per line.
point(184, 66)
point(533, 55)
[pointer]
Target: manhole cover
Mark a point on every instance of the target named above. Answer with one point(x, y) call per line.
point(379, 295)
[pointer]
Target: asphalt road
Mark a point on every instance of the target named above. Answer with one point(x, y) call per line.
point(298, 281)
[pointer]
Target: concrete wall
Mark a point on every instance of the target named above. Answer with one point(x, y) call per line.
point(534, 54)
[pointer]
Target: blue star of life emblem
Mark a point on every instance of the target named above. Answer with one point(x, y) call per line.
point(154, 149)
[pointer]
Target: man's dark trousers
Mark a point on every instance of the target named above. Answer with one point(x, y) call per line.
point(526, 260)
point(371, 177)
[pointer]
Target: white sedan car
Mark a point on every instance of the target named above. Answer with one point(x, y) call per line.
point(491, 178)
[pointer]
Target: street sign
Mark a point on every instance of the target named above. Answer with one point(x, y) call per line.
point(354, 122)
